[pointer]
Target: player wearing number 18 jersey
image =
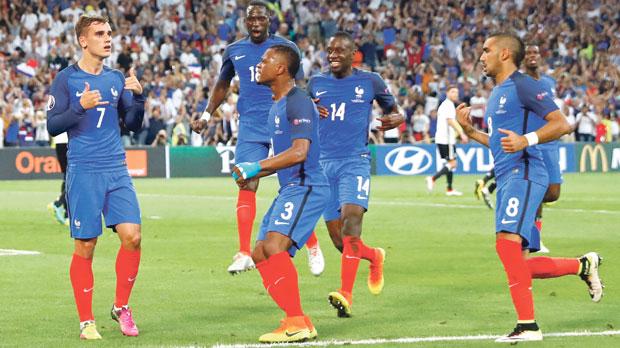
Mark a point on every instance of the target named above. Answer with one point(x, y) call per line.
point(522, 178)
point(88, 101)
point(345, 97)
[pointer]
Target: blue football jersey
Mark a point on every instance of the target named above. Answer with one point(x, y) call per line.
point(241, 58)
point(349, 102)
point(535, 123)
point(512, 105)
point(94, 134)
point(295, 117)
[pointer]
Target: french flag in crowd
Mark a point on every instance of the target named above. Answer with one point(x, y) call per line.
point(28, 68)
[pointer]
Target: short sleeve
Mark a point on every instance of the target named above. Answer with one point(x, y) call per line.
point(227, 72)
point(382, 93)
point(534, 96)
point(301, 114)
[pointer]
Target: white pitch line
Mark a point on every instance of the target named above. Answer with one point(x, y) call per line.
point(13, 252)
point(408, 340)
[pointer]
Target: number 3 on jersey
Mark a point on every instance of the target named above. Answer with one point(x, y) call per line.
point(338, 112)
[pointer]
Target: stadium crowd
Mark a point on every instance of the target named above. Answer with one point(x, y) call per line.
point(419, 48)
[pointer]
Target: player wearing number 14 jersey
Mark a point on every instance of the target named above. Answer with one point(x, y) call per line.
point(522, 178)
point(345, 96)
point(241, 58)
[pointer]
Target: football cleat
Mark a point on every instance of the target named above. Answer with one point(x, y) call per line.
point(57, 212)
point(522, 333)
point(430, 183)
point(543, 249)
point(375, 276)
point(316, 260)
point(453, 192)
point(241, 262)
point(486, 196)
point(313, 333)
point(125, 319)
point(478, 186)
point(292, 329)
point(590, 263)
point(341, 302)
point(88, 330)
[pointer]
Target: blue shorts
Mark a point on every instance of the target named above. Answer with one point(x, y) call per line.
point(294, 213)
point(248, 151)
point(551, 157)
point(517, 202)
point(349, 181)
point(89, 194)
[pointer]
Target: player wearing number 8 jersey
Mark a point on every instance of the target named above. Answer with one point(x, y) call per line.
point(241, 58)
point(522, 178)
point(88, 100)
point(345, 96)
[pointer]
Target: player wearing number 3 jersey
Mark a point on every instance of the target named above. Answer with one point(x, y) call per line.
point(345, 97)
point(522, 178)
point(89, 100)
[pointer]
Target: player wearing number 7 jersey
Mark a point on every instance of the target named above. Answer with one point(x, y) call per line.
point(345, 96)
point(522, 178)
point(89, 100)
point(241, 58)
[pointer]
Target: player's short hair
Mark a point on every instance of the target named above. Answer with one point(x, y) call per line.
point(512, 42)
point(259, 3)
point(291, 56)
point(451, 87)
point(344, 35)
point(87, 20)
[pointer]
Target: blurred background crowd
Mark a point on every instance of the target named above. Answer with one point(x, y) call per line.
point(419, 48)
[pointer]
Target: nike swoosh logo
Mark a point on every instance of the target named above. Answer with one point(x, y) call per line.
point(280, 223)
point(239, 57)
point(318, 94)
point(291, 334)
point(352, 257)
point(78, 94)
point(511, 285)
point(505, 222)
point(88, 290)
point(131, 279)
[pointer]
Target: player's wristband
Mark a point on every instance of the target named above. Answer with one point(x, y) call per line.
point(247, 170)
point(532, 138)
point(205, 116)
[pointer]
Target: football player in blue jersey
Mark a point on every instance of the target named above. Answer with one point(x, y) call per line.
point(241, 58)
point(287, 225)
point(522, 178)
point(88, 101)
point(551, 150)
point(345, 96)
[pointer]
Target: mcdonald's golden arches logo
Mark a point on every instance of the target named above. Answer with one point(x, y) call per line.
point(591, 152)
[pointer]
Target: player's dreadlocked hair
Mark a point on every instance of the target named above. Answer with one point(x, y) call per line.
point(514, 43)
point(291, 56)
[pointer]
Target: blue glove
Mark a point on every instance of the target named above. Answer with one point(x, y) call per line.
point(248, 170)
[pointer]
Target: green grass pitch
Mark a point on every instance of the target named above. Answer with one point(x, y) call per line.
point(443, 277)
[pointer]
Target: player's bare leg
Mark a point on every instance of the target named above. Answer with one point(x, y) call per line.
point(246, 213)
point(552, 195)
point(82, 281)
point(127, 264)
point(281, 282)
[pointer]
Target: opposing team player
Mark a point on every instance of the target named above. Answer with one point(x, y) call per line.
point(87, 100)
point(345, 96)
point(241, 58)
point(287, 225)
point(445, 138)
point(522, 178)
